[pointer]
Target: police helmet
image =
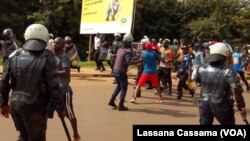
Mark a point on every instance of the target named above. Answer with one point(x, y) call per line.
point(67, 38)
point(219, 51)
point(8, 32)
point(36, 31)
point(128, 37)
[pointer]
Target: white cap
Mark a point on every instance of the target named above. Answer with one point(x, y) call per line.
point(144, 40)
point(167, 40)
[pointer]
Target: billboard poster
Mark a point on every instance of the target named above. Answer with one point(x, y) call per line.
point(106, 16)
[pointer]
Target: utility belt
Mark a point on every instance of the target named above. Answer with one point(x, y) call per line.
point(215, 99)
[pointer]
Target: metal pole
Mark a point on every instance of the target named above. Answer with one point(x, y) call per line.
point(246, 121)
point(90, 47)
point(133, 19)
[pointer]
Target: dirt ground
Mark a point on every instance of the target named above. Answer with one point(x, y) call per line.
point(97, 121)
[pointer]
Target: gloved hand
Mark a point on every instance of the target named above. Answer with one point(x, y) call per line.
point(5, 111)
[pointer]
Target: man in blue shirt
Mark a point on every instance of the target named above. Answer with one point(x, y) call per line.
point(184, 73)
point(149, 58)
point(238, 65)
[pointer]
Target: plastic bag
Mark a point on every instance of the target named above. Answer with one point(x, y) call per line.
point(191, 84)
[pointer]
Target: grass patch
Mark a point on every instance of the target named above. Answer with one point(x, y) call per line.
point(83, 64)
point(1, 60)
point(91, 64)
point(88, 64)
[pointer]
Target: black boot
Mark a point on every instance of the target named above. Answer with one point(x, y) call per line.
point(121, 106)
point(112, 103)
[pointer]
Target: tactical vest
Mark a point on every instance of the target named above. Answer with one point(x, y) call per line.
point(26, 76)
point(213, 83)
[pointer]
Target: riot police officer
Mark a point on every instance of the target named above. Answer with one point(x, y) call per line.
point(219, 85)
point(31, 74)
point(8, 44)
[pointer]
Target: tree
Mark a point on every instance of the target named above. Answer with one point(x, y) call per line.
point(227, 20)
point(62, 17)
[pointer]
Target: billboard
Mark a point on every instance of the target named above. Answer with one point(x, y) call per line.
point(106, 16)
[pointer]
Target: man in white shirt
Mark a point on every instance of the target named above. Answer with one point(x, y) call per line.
point(97, 42)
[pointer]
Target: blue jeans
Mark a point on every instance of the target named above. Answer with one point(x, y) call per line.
point(222, 111)
point(121, 85)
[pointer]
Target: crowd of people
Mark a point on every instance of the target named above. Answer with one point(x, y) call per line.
point(43, 62)
point(213, 66)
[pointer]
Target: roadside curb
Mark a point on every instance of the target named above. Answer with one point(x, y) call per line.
point(96, 75)
point(89, 75)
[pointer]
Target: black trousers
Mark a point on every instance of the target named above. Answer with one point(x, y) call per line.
point(182, 82)
point(96, 58)
point(30, 120)
point(222, 111)
point(166, 74)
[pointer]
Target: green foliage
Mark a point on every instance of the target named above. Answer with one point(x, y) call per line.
point(207, 19)
point(219, 20)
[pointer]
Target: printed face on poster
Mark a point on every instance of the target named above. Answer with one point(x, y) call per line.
point(106, 16)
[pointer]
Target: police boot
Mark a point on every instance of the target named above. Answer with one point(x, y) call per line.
point(112, 102)
point(121, 106)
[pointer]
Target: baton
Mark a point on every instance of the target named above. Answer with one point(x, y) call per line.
point(65, 128)
point(131, 67)
point(246, 121)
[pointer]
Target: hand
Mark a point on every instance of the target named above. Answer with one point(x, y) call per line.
point(189, 79)
point(5, 111)
point(243, 113)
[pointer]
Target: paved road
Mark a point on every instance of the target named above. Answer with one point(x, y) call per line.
point(97, 121)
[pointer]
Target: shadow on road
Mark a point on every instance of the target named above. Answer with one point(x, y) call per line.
point(169, 112)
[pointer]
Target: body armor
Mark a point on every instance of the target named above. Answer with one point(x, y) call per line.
point(26, 76)
point(24, 68)
point(213, 84)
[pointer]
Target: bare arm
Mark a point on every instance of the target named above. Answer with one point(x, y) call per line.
point(63, 71)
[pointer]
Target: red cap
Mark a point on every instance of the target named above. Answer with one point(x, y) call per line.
point(148, 45)
point(155, 47)
point(213, 42)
